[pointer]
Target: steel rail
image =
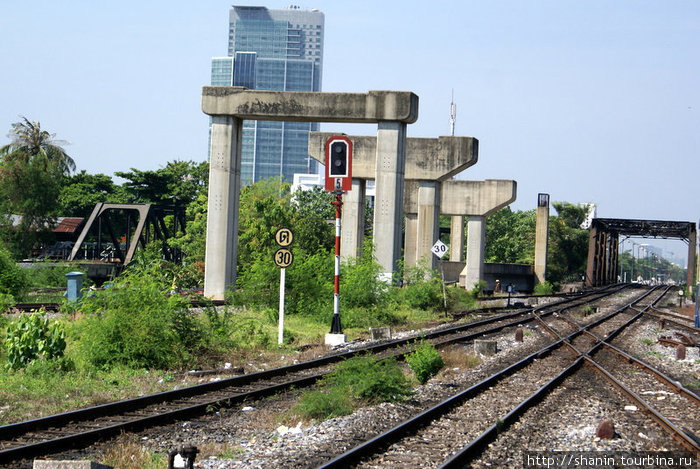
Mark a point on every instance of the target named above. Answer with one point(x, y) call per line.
point(18, 429)
point(139, 402)
point(424, 418)
point(684, 437)
point(677, 433)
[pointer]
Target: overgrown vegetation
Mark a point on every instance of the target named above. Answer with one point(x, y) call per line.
point(354, 382)
point(425, 361)
point(544, 288)
point(31, 337)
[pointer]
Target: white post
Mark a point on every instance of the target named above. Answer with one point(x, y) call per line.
point(280, 334)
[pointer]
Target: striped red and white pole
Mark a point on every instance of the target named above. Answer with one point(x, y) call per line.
point(335, 324)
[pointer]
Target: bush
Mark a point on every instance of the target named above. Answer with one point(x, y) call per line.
point(357, 381)
point(136, 323)
point(544, 288)
point(369, 380)
point(139, 326)
point(425, 361)
point(49, 275)
point(31, 337)
point(325, 404)
point(13, 279)
point(360, 284)
point(6, 302)
point(424, 294)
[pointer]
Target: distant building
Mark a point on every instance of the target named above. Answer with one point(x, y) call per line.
point(273, 50)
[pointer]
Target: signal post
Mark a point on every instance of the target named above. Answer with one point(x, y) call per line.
point(338, 161)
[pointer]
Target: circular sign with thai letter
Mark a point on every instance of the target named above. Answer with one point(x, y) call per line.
point(284, 237)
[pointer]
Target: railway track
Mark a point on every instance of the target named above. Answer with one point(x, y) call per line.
point(457, 430)
point(81, 428)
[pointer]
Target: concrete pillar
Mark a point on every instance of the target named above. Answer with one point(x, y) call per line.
point(388, 201)
point(541, 237)
point(476, 243)
point(456, 238)
point(353, 222)
point(692, 247)
point(428, 221)
point(410, 240)
point(222, 211)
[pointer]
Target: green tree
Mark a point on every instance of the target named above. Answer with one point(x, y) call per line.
point(568, 243)
point(178, 183)
point(510, 237)
point(29, 141)
point(32, 168)
point(82, 191)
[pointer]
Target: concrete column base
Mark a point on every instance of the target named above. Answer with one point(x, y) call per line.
point(336, 339)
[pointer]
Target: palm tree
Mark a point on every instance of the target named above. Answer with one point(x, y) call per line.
point(29, 141)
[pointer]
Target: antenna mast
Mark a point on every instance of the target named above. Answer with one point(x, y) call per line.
point(453, 114)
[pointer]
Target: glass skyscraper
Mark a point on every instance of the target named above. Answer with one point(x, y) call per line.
point(273, 50)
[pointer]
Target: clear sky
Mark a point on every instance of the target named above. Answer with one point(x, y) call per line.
point(589, 101)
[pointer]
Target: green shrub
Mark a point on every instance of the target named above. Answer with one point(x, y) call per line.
point(13, 279)
point(325, 404)
point(360, 286)
point(49, 275)
point(424, 294)
point(354, 382)
point(425, 361)
point(544, 288)
point(30, 337)
point(7, 301)
point(139, 326)
point(370, 381)
point(136, 322)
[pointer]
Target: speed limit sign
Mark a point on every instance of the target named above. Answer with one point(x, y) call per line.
point(283, 257)
point(439, 249)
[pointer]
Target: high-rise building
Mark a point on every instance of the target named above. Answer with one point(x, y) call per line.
point(273, 50)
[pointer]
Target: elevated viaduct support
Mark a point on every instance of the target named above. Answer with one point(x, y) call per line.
point(475, 200)
point(229, 106)
point(429, 161)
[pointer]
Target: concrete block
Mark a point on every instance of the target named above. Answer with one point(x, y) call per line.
point(485, 347)
point(379, 333)
point(48, 464)
point(336, 339)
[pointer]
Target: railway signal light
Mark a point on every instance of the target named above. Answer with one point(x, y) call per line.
point(338, 163)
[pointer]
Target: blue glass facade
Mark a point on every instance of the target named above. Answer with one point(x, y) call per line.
point(273, 50)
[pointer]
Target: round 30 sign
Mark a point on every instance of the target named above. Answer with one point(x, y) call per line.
point(283, 257)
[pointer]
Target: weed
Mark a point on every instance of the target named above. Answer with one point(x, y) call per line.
point(425, 361)
point(129, 454)
point(457, 357)
point(357, 381)
point(544, 288)
point(31, 337)
point(647, 341)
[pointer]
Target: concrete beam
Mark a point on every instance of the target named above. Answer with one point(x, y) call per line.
point(480, 198)
point(427, 159)
point(229, 106)
point(476, 200)
point(301, 106)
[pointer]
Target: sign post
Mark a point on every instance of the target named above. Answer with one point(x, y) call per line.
point(283, 258)
point(338, 180)
point(440, 249)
